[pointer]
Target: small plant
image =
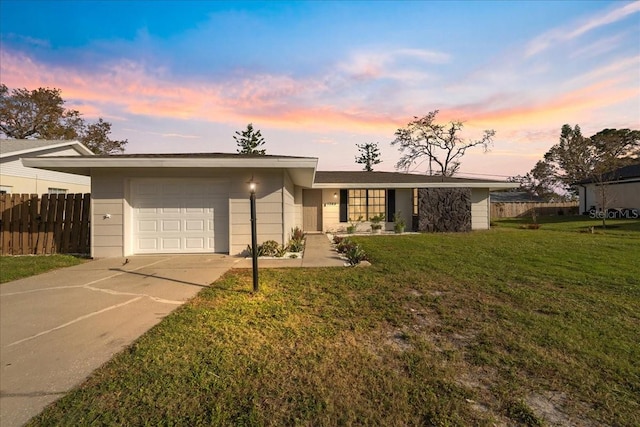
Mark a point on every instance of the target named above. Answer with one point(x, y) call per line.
point(398, 223)
point(376, 222)
point(353, 224)
point(295, 245)
point(355, 255)
point(338, 239)
point(345, 245)
point(249, 250)
point(297, 234)
point(271, 248)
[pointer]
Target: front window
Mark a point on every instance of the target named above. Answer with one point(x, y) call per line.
point(57, 190)
point(366, 203)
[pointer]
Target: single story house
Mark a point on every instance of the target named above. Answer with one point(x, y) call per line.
point(620, 188)
point(190, 203)
point(15, 178)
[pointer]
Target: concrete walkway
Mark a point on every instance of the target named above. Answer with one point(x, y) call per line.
point(317, 253)
point(58, 327)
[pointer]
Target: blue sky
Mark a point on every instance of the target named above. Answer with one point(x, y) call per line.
point(319, 77)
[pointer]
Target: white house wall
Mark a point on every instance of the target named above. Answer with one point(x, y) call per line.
point(269, 209)
point(618, 195)
point(297, 200)
point(107, 197)
point(480, 216)
point(22, 179)
point(288, 199)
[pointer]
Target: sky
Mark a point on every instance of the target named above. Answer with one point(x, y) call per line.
point(319, 77)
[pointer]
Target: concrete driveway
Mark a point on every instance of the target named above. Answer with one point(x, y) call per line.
point(56, 328)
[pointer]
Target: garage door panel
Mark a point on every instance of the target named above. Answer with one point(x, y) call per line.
point(171, 225)
point(148, 244)
point(171, 244)
point(194, 225)
point(194, 243)
point(180, 215)
point(147, 226)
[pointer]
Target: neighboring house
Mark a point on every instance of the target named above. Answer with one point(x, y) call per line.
point(18, 179)
point(620, 188)
point(190, 203)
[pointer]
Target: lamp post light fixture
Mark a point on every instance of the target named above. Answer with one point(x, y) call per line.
point(254, 234)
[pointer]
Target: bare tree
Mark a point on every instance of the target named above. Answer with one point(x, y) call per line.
point(440, 144)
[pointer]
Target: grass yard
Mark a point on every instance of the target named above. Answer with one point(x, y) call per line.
point(503, 327)
point(18, 267)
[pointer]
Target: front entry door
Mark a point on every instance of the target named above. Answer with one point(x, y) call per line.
point(312, 210)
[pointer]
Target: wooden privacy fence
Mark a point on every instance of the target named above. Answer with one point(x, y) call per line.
point(521, 209)
point(54, 223)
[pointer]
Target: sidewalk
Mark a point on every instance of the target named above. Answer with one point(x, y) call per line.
point(317, 253)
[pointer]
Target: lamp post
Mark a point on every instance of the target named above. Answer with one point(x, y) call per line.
point(254, 234)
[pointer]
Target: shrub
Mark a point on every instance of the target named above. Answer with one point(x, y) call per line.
point(345, 245)
point(337, 239)
point(270, 248)
point(297, 234)
point(355, 255)
point(249, 250)
point(353, 224)
point(295, 245)
point(399, 223)
point(376, 220)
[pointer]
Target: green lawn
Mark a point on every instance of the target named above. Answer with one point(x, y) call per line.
point(507, 326)
point(17, 267)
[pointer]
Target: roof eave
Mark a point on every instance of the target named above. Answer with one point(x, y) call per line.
point(481, 184)
point(302, 169)
point(75, 144)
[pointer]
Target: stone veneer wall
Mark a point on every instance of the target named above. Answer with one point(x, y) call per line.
point(444, 209)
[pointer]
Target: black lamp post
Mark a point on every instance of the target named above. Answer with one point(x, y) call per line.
point(254, 234)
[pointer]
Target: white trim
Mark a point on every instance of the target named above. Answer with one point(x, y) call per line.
point(479, 184)
point(74, 144)
point(301, 170)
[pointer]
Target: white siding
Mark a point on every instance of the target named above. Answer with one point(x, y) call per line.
point(480, 209)
point(12, 167)
point(107, 234)
point(297, 200)
point(288, 196)
point(269, 209)
point(620, 195)
point(331, 210)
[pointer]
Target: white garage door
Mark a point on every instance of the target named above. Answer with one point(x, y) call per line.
point(180, 216)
